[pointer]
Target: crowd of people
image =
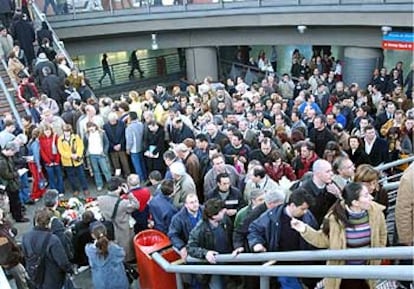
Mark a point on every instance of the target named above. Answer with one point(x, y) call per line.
point(284, 164)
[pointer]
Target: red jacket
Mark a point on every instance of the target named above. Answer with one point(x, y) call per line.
point(143, 195)
point(302, 165)
point(21, 92)
point(46, 150)
point(277, 172)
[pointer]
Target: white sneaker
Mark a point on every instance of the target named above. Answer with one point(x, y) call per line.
point(99, 189)
point(82, 269)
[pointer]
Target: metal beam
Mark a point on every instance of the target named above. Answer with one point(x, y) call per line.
point(389, 165)
point(393, 253)
point(310, 271)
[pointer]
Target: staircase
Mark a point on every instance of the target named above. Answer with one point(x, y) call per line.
point(5, 106)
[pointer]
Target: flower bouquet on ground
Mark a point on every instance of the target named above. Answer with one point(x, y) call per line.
point(72, 209)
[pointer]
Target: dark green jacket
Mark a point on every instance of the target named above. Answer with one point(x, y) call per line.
point(8, 175)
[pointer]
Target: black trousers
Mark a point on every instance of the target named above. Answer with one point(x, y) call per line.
point(15, 205)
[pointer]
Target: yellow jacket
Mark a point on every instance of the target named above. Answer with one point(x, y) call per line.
point(337, 239)
point(67, 148)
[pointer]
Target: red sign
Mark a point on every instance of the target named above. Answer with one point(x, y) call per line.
point(397, 45)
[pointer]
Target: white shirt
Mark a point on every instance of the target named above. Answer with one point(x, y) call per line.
point(368, 146)
point(95, 145)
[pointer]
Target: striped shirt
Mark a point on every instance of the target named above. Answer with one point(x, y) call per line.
point(358, 233)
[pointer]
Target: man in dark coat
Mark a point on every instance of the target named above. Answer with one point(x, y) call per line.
point(6, 11)
point(9, 178)
point(23, 32)
point(115, 131)
point(375, 147)
point(230, 195)
point(203, 241)
point(321, 187)
point(272, 231)
point(52, 86)
point(56, 262)
point(320, 135)
point(181, 225)
point(161, 207)
point(42, 62)
point(44, 32)
point(180, 131)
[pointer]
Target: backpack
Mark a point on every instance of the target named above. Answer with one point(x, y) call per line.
point(36, 263)
point(65, 236)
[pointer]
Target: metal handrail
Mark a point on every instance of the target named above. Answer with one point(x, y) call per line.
point(120, 71)
point(12, 80)
point(56, 41)
point(398, 272)
point(217, 4)
point(127, 62)
point(11, 102)
point(313, 271)
point(386, 166)
point(399, 252)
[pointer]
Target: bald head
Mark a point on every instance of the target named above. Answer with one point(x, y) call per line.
point(322, 172)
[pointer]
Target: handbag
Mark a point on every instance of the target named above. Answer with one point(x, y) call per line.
point(42, 184)
point(130, 272)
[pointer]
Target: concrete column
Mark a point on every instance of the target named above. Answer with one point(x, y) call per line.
point(201, 62)
point(359, 63)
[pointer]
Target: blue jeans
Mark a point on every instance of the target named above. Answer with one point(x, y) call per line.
point(55, 178)
point(46, 5)
point(77, 175)
point(139, 166)
point(24, 191)
point(99, 164)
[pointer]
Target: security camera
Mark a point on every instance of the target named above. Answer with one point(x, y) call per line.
point(386, 29)
point(301, 28)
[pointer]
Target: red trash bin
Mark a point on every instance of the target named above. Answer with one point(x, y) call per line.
point(152, 276)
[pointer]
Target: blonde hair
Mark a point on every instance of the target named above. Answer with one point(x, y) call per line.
point(366, 173)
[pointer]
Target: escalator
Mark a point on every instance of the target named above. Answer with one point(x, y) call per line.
point(8, 99)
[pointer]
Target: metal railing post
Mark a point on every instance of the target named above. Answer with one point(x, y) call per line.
point(264, 282)
point(179, 281)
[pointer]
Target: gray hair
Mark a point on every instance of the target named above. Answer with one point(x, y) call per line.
point(133, 180)
point(112, 116)
point(277, 195)
point(255, 193)
point(22, 138)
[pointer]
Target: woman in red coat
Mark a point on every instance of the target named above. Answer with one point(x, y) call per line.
point(51, 158)
point(277, 168)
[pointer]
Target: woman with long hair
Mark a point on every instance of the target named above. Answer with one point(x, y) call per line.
point(35, 166)
point(369, 177)
point(353, 222)
point(51, 158)
point(106, 259)
point(96, 145)
point(356, 152)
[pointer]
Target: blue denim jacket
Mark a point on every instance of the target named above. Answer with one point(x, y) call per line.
point(108, 273)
